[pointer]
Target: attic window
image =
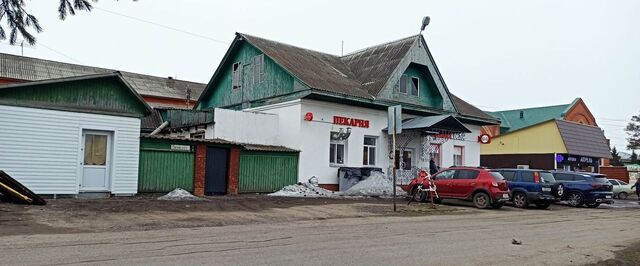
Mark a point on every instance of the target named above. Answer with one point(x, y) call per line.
point(403, 84)
point(415, 86)
point(258, 68)
point(236, 76)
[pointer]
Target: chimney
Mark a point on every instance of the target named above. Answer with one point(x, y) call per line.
point(521, 114)
point(171, 82)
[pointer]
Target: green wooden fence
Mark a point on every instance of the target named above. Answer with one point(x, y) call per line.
point(262, 172)
point(163, 169)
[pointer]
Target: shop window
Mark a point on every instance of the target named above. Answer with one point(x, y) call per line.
point(258, 69)
point(337, 152)
point(435, 154)
point(236, 75)
point(404, 161)
point(415, 86)
point(458, 155)
point(369, 151)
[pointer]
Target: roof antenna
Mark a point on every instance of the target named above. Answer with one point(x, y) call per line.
point(425, 22)
point(342, 49)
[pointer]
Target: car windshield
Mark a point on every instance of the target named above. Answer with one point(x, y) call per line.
point(546, 177)
point(497, 175)
point(600, 179)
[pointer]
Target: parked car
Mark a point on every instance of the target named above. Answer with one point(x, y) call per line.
point(529, 186)
point(582, 188)
point(620, 188)
point(485, 188)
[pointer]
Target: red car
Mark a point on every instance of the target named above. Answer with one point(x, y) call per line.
point(486, 188)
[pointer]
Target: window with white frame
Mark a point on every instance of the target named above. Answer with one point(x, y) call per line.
point(403, 84)
point(236, 75)
point(337, 152)
point(415, 86)
point(458, 155)
point(369, 151)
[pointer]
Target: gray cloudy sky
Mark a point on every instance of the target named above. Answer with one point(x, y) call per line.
point(494, 54)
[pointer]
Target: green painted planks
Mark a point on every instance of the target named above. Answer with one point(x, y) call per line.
point(165, 170)
point(267, 171)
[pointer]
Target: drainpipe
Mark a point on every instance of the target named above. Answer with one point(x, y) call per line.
point(160, 128)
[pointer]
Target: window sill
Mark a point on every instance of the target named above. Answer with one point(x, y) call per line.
point(334, 165)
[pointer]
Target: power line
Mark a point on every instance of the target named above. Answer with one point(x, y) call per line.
point(161, 25)
point(57, 52)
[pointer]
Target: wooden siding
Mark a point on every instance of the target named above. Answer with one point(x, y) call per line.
point(40, 148)
point(428, 94)
point(267, 171)
point(103, 95)
point(276, 82)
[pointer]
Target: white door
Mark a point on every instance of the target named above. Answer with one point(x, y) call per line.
point(95, 161)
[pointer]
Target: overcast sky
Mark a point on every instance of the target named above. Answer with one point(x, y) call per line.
point(494, 54)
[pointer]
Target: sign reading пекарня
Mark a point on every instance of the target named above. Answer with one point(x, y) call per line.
point(354, 122)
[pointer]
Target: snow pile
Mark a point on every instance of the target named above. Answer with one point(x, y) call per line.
point(179, 194)
point(376, 185)
point(309, 190)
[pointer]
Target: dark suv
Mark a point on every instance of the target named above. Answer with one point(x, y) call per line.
point(532, 186)
point(486, 188)
point(590, 189)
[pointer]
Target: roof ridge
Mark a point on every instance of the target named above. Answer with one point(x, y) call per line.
point(93, 67)
point(528, 108)
point(377, 45)
point(287, 44)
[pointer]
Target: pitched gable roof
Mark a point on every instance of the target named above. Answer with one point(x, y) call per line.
point(585, 140)
point(318, 70)
point(361, 74)
point(511, 120)
point(372, 66)
point(33, 69)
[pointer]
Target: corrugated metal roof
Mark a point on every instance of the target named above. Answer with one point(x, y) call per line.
point(584, 140)
point(251, 147)
point(466, 109)
point(32, 69)
point(530, 116)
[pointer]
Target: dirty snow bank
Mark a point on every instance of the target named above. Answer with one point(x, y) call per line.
point(309, 190)
point(376, 185)
point(179, 194)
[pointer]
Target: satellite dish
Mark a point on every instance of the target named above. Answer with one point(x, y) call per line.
point(425, 22)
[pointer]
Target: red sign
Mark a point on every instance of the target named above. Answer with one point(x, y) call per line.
point(484, 138)
point(308, 116)
point(340, 120)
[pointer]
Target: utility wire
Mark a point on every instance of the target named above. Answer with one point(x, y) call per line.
point(57, 52)
point(161, 25)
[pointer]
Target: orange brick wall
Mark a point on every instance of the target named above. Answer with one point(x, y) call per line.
point(199, 175)
point(234, 171)
point(581, 114)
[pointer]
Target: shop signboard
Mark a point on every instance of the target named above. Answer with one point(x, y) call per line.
point(576, 159)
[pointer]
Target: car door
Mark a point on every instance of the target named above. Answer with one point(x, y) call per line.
point(510, 177)
point(616, 185)
point(528, 181)
point(464, 181)
point(444, 183)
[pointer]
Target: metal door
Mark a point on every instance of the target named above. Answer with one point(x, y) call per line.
point(95, 154)
point(216, 171)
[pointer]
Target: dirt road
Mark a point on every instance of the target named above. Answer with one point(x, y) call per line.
point(563, 236)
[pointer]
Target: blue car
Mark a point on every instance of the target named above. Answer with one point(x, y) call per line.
point(582, 188)
point(528, 186)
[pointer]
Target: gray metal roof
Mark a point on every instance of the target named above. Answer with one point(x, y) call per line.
point(437, 122)
point(33, 69)
point(584, 140)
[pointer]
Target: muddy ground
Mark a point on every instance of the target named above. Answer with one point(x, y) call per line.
point(144, 212)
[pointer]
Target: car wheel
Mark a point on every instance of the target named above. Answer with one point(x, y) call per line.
point(419, 196)
point(593, 205)
point(558, 190)
point(623, 195)
point(520, 200)
point(543, 205)
point(481, 200)
point(497, 205)
point(575, 199)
